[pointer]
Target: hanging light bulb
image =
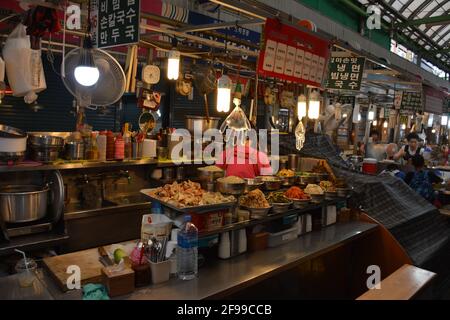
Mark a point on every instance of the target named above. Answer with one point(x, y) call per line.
point(372, 112)
point(444, 120)
point(173, 64)
point(223, 93)
point(385, 124)
point(433, 131)
point(86, 73)
point(375, 122)
point(403, 126)
point(430, 120)
point(314, 105)
point(344, 115)
point(301, 106)
point(356, 113)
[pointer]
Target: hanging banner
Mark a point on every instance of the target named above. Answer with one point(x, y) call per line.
point(293, 55)
point(345, 73)
point(117, 22)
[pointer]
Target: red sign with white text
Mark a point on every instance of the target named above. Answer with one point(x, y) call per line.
point(293, 55)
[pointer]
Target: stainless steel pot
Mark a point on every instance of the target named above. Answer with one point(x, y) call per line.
point(23, 203)
point(13, 143)
point(74, 150)
point(44, 141)
point(213, 123)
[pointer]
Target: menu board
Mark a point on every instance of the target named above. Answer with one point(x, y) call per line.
point(434, 100)
point(411, 101)
point(293, 55)
point(345, 73)
point(116, 22)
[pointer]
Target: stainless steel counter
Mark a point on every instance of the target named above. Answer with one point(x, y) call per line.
point(224, 277)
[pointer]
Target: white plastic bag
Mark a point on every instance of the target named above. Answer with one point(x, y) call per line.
point(23, 65)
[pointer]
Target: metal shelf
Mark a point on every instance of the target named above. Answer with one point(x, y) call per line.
point(254, 222)
point(35, 166)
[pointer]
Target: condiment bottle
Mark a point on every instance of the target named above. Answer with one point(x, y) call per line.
point(127, 142)
point(101, 144)
point(224, 246)
point(109, 146)
point(92, 152)
point(119, 148)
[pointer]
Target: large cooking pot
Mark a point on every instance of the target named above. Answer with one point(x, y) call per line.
point(13, 143)
point(45, 147)
point(202, 122)
point(23, 203)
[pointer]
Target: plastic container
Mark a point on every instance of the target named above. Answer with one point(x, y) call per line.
point(257, 241)
point(369, 166)
point(109, 145)
point(224, 246)
point(101, 145)
point(160, 271)
point(282, 237)
point(26, 272)
point(187, 250)
point(119, 148)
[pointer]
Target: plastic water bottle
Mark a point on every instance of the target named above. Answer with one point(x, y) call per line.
point(187, 250)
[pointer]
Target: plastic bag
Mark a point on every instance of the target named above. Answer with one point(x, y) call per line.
point(23, 65)
point(155, 225)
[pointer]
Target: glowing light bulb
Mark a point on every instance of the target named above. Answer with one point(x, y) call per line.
point(314, 105)
point(86, 75)
point(344, 115)
point(173, 65)
point(385, 124)
point(433, 131)
point(374, 122)
point(301, 106)
point(223, 93)
point(403, 126)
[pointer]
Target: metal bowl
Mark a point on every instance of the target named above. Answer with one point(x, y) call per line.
point(273, 184)
point(300, 203)
point(289, 181)
point(281, 207)
point(317, 198)
point(342, 192)
point(230, 188)
point(44, 140)
point(209, 175)
point(257, 213)
point(330, 195)
point(252, 184)
point(307, 179)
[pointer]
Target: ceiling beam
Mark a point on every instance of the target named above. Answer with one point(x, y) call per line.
point(438, 20)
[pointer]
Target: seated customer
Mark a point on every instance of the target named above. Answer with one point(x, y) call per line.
point(394, 170)
point(421, 180)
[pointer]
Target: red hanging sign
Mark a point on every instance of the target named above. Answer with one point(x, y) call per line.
point(293, 55)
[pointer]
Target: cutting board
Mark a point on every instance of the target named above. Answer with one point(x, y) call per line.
point(87, 260)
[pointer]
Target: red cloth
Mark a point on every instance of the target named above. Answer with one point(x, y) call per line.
point(244, 162)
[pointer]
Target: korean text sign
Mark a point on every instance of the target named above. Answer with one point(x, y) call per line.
point(345, 73)
point(117, 22)
point(293, 55)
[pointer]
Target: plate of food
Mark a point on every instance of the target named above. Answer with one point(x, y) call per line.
point(255, 201)
point(316, 192)
point(298, 197)
point(288, 176)
point(188, 196)
point(280, 203)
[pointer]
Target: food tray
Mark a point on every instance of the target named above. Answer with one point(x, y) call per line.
point(196, 209)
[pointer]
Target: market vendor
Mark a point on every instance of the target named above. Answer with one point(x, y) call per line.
point(374, 138)
point(244, 162)
point(408, 151)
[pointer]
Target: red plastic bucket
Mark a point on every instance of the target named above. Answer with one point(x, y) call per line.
point(369, 166)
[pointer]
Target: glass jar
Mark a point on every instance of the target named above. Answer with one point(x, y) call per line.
point(26, 272)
